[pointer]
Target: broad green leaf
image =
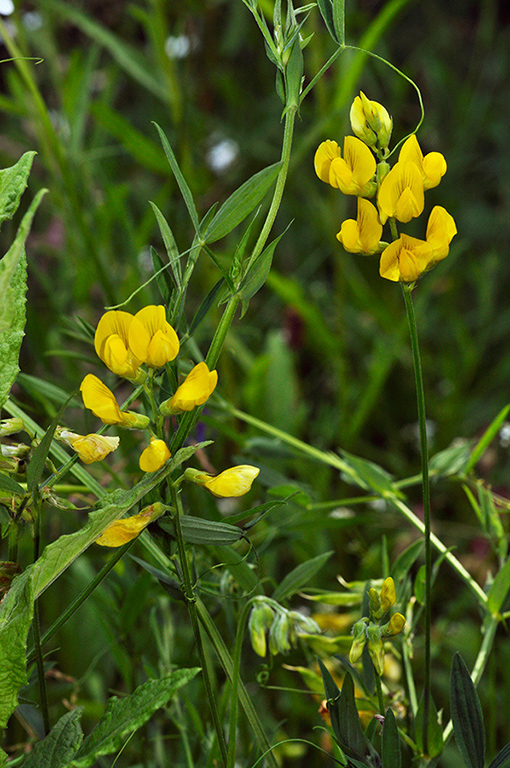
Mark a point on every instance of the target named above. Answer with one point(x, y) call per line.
point(13, 182)
point(241, 203)
point(466, 714)
point(181, 181)
point(195, 530)
point(434, 731)
point(60, 745)
point(501, 758)
point(10, 485)
point(13, 286)
point(391, 752)
point(123, 716)
point(499, 589)
point(301, 575)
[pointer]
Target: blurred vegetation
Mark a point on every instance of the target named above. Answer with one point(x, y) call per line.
point(322, 352)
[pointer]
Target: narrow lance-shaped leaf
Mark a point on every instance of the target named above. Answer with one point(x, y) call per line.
point(257, 274)
point(181, 181)
point(501, 758)
point(13, 285)
point(391, 751)
point(499, 589)
point(466, 715)
point(299, 576)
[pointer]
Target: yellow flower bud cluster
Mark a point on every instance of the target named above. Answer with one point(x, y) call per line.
point(363, 171)
point(283, 627)
point(369, 631)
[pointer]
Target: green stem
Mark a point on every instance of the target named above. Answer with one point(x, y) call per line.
point(36, 629)
point(380, 697)
point(234, 694)
point(420, 398)
point(189, 594)
point(80, 599)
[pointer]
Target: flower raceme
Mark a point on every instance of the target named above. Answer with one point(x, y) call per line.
point(352, 173)
point(196, 388)
point(362, 235)
point(103, 404)
point(124, 341)
point(235, 481)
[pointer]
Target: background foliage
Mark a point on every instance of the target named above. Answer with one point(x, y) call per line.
point(319, 353)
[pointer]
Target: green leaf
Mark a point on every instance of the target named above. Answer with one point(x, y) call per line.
point(333, 697)
point(499, 589)
point(195, 530)
point(391, 753)
point(487, 437)
point(241, 203)
point(37, 462)
point(163, 279)
point(205, 306)
point(170, 244)
point(434, 731)
point(13, 286)
point(453, 460)
point(10, 485)
point(404, 562)
point(502, 757)
point(16, 612)
point(326, 10)
point(257, 274)
point(301, 575)
point(60, 745)
point(181, 181)
point(13, 182)
point(123, 716)
point(371, 476)
point(466, 714)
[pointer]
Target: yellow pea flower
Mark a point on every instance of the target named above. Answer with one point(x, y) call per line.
point(363, 234)
point(370, 122)
point(128, 528)
point(111, 342)
point(394, 627)
point(235, 481)
point(405, 259)
point(401, 193)
point(90, 448)
point(352, 173)
point(388, 594)
point(151, 338)
point(432, 166)
point(441, 229)
point(154, 456)
point(196, 388)
point(101, 401)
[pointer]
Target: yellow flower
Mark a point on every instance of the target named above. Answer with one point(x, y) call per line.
point(235, 481)
point(370, 122)
point(363, 234)
point(394, 627)
point(91, 447)
point(353, 173)
point(196, 388)
point(388, 595)
point(151, 338)
point(401, 193)
point(432, 166)
point(154, 456)
point(441, 229)
point(122, 531)
point(101, 401)
point(111, 342)
point(405, 259)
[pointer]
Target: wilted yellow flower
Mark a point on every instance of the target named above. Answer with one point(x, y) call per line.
point(388, 594)
point(151, 338)
point(401, 193)
point(154, 456)
point(111, 342)
point(101, 401)
point(90, 447)
point(196, 388)
point(441, 229)
point(432, 166)
point(363, 234)
point(128, 528)
point(405, 259)
point(235, 481)
point(353, 172)
point(370, 122)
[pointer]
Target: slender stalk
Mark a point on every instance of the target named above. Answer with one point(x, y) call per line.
point(380, 697)
point(36, 629)
point(189, 594)
point(234, 695)
point(420, 398)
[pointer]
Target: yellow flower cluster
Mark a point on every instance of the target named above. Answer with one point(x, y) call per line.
point(399, 193)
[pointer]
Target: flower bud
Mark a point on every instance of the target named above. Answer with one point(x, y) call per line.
point(376, 648)
point(374, 600)
point(371, 122)
point(388, 595)
point(261, 619)
point(279, 641)
point(360, 638)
